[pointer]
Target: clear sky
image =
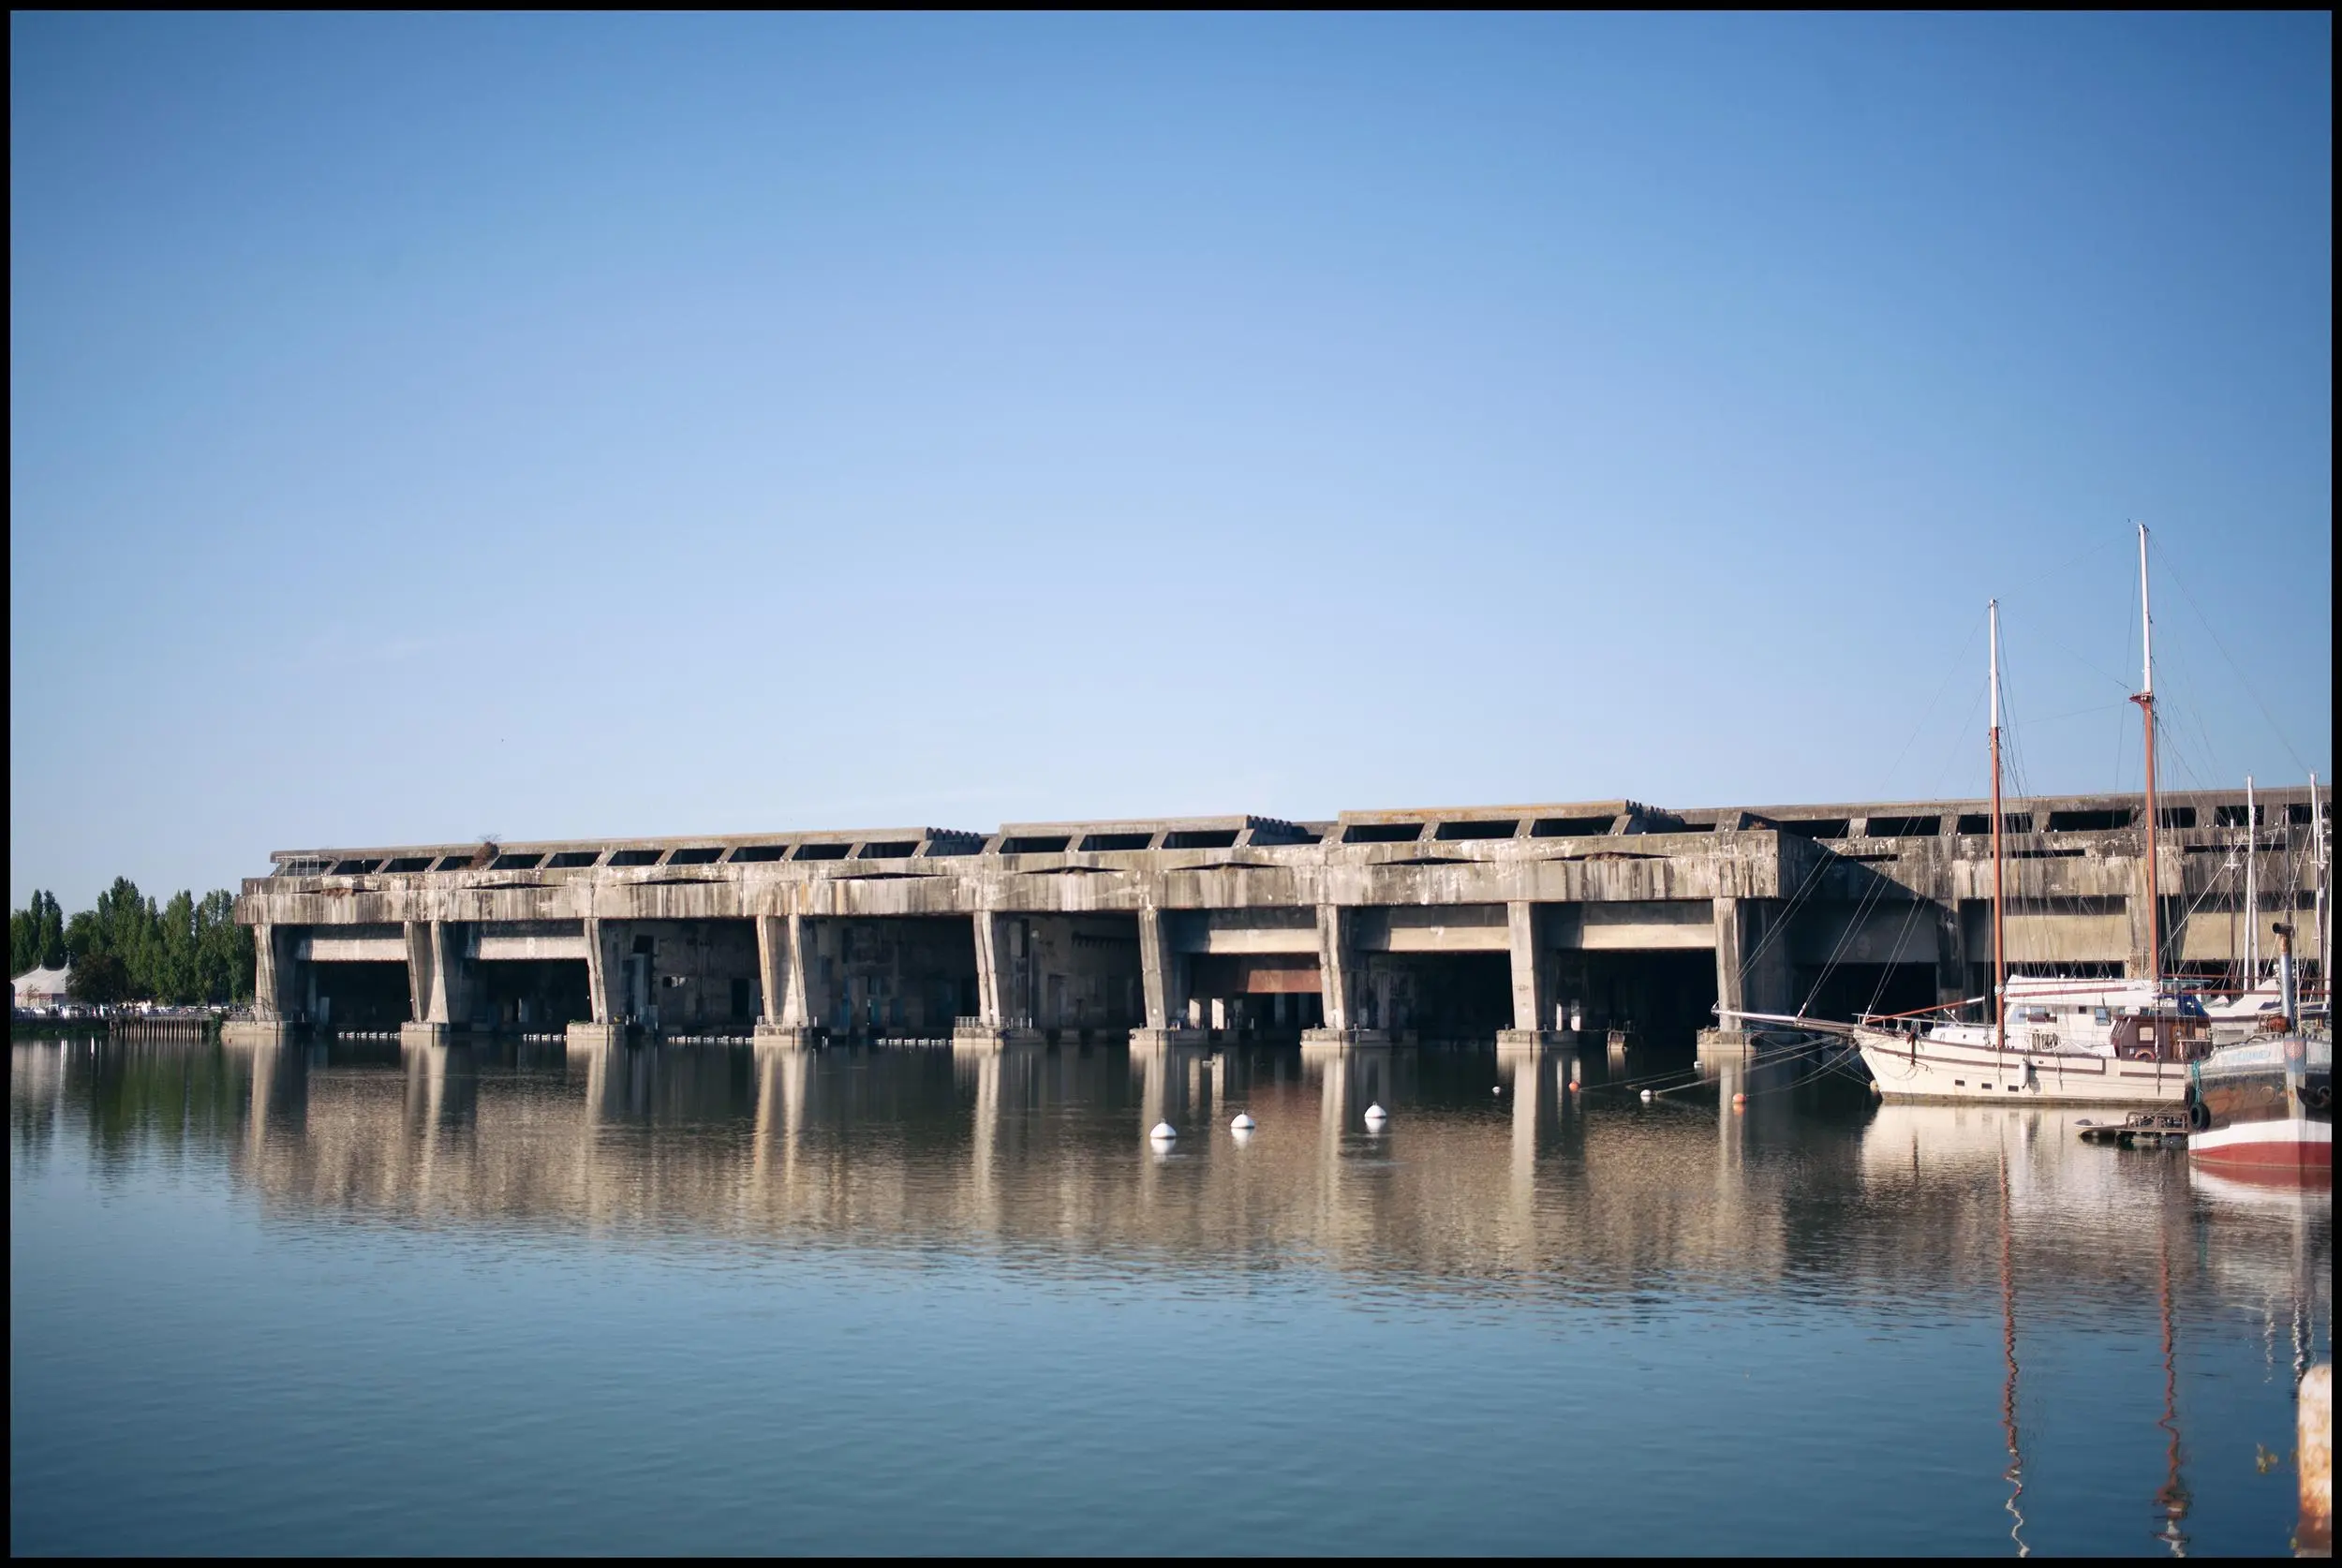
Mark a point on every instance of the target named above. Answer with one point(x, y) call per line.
point(428, 427)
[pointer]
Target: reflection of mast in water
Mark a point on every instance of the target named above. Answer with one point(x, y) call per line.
point(2014, 1474)
point(2171, 1496)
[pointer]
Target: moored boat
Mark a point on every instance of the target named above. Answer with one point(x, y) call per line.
point(2145, 1063)
point(2264, 1106)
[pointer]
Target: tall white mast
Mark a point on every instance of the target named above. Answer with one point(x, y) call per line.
point(2252, 888)
point(2145, 699)
point(2000, 961)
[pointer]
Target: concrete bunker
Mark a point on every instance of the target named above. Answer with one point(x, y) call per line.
point(688, 976)
point(1434, 971)
point(1436, 996)
point(1267, 995)
point(353, 979)
point(1074, 975)
point(889, 976)
point(528, 976)
point(1658, 997)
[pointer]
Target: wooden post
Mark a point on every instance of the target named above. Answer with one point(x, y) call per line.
point(2314, 1458)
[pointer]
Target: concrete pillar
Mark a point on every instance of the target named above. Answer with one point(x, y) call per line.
point(1334, 967)
point(1751, 959)
point(992, 979)
point(267, 1006)
point(1338, 983)
point(451, 994)
point(605, 986)
point(275, 989)
point(1163, 977)
point(272, 1006)
point(1532, 982)
point(423, 962)
point(780, 965)
point(992, 1028)
point(795, 1011)
point(439, 983)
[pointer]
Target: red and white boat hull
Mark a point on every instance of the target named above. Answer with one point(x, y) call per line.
point(2264, 1106)
point(2278, 1145)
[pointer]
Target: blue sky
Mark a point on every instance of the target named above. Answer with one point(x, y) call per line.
point(425, 427)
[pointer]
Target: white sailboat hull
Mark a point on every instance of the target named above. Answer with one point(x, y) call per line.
point(1923, 1069)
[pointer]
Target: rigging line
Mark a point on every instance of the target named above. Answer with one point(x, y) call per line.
point(1872, 895)
point(2181, 700)
point(2074, 713)
point(1886, 970)
point(1781, 925)
point(2087, 664)
point(2179, 577)
point(1830, 1064)
point(1787, 1055)
point(2052, 574)
point(1953, 670)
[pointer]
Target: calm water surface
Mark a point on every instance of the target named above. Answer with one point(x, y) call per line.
point(696, 1300)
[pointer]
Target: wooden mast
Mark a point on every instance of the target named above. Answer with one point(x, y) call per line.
point(2000, 960)
point(2145, 699)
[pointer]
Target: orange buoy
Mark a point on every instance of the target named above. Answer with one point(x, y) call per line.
point(1740, 1102)
point(1572, 1085)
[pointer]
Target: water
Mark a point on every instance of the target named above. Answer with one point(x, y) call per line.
point(494, 1299)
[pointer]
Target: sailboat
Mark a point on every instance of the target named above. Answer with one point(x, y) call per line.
point(2094, 1042)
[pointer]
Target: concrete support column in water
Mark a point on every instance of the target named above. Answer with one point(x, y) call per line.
point(1338, 972)
point(995, 1024)
point(1534, 1025)
point(1752, 962)
point(438, 981)
point(274, 1007)
point(1164, 977)
point(787, 1021)
point(605, 986)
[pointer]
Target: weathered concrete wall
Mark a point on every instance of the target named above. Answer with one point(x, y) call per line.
point(1190, 920)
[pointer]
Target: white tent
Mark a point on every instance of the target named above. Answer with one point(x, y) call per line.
point(41, 988)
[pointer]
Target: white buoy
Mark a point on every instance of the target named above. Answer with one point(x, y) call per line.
point(1646, 1094)
point(1164, 1133)
point(1242, 1123)
point(1376, 1115)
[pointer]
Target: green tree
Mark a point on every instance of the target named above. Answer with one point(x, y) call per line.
point(189, 951)
point(36, 935)
point(175, 980)
point(100, 977)
point(127, 926)
point(83, 937)
point(24, 938)
point(51, 929)
point(223, 949)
